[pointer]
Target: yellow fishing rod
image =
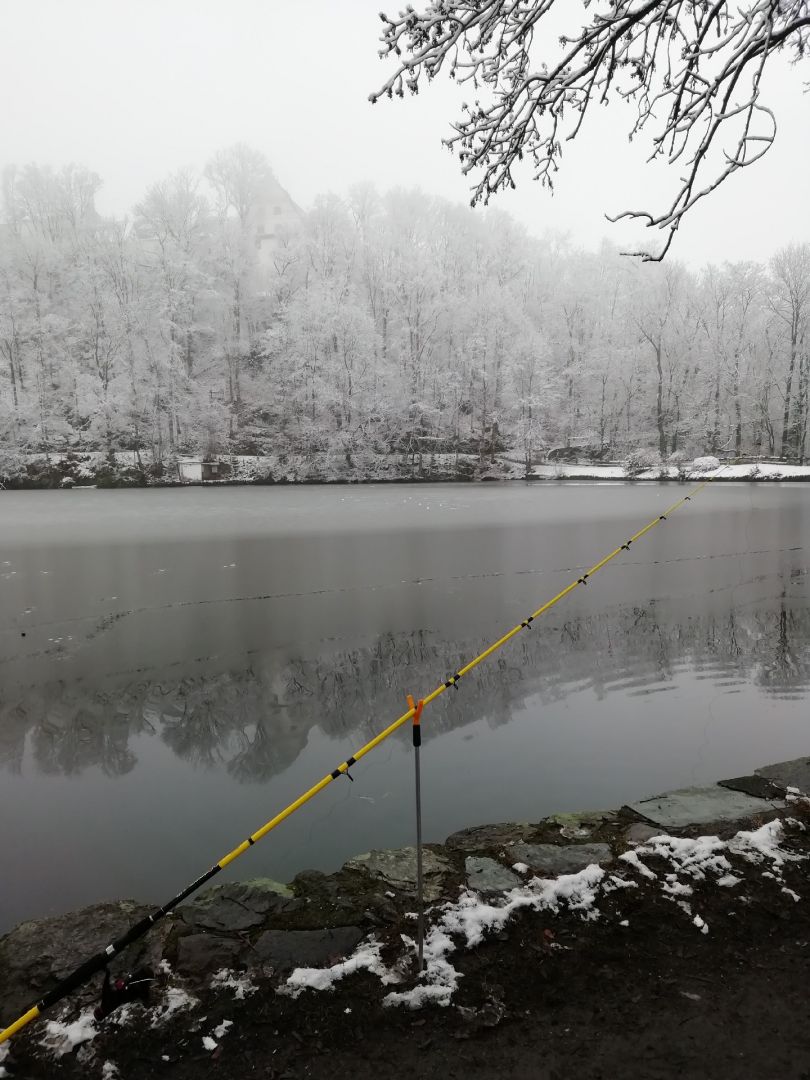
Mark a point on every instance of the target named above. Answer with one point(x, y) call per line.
point(101, 959)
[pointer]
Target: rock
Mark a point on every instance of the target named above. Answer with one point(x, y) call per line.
point(328, 900)
point(203, 954)
point(487, 875)
point(639, 833)
point(484, 837)
point(398, 869)
point(795, 773)
point(284, 950)
point(240, 905)
point(554, 859)
point(580, 818)
point(758, 786)
point(36, 955)
point(700, 806)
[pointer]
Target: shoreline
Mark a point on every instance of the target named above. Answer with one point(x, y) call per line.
point(234, 948)
point(80, 472)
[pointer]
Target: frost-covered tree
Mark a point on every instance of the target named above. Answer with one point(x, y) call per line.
point(692, 70)
point(790, 303)
point(386, 324)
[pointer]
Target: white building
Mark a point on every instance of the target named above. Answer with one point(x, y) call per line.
point(274, 220)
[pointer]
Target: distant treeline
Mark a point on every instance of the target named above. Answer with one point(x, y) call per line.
point(372, 325)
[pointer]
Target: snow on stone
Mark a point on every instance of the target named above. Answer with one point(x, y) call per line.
point(175, 1001)
point(208, 1043)
point(225, 979)
point(222, 1029)
point(59, 1038)
point(520, 867)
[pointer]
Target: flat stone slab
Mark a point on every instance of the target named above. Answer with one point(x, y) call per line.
point(553, 859)
point(640, 833)
point(795, 773)
point(203, 954)
point(241, 905)
point(700, 805)
point(761, 787)
point(487, 875)
point(284, 950)
point(398, 869)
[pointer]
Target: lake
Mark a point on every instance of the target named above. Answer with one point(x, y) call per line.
point(178, 665)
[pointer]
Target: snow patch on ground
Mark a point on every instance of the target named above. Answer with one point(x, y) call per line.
point(470, 918)
point(225, 979)
point(728, 881)
point(60, 1038)
point(632, 858)
point(762, 844)
point(706, 858)
point(366, 958)
point(700, 469)
point(109, 1070)
point(175, 1001)
point(4, 1048)
point(222, 1029)
point(208, 1043)
point(692, 857)
point(465, 922)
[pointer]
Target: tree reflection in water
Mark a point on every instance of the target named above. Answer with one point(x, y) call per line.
point(254, 721)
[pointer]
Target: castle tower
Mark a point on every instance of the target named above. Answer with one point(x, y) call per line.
point(275, 219)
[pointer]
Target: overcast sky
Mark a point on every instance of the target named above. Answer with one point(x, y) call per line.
point(135, 90)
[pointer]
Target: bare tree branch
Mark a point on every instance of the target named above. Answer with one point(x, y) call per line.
point(692, 68)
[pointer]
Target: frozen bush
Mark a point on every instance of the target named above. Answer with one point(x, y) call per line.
point(640, 461)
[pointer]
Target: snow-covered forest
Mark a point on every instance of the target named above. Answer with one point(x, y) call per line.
point(219, 319)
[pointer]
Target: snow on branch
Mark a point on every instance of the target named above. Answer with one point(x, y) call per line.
point(692, 69)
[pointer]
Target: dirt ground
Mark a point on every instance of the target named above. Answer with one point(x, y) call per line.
point(552, 997)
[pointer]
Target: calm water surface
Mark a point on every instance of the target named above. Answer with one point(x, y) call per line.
point(176, 666)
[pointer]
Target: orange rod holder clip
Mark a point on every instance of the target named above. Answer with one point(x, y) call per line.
point(417, 717)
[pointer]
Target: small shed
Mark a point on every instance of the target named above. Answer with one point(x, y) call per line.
point(194, 470)
point(190, 469)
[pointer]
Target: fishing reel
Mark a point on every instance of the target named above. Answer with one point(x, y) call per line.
point(122, 990)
